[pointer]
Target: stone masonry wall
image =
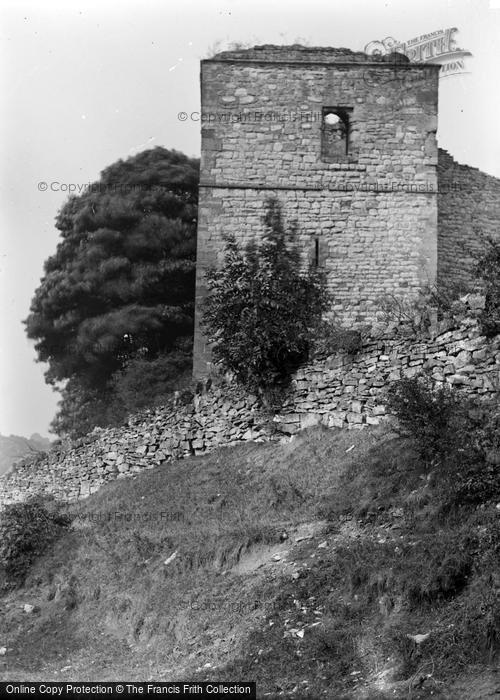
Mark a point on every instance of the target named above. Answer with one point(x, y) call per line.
point(373, 211)
point(223, 416)
point(349, 391)
point(468, 210)
point(343, 391)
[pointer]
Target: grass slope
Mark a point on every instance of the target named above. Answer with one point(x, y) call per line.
point(308, 566)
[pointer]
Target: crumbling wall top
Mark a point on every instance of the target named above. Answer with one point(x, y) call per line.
point(306, 54)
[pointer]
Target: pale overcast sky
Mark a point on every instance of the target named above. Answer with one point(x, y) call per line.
point(86, 83)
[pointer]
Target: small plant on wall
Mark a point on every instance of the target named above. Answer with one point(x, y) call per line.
point(263, 308)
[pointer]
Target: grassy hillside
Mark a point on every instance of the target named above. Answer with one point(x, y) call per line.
point(311, 566)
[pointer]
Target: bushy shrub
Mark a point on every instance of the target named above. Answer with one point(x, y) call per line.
point(26, 530)
point(263, 306)
point(489, 270)
point(435, 417)
point(456, 437)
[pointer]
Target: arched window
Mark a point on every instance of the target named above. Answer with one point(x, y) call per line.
point(335, 133)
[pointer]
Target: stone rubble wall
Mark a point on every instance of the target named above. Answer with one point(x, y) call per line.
point(347, 391)
point(468, 212)
point(343, 391)
point(222, 416)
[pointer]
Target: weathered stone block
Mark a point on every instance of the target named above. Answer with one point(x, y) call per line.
point(354, 417)
point(310, 419)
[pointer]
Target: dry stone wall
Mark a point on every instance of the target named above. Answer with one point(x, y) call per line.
point(346, 391)
point(343, 391)
point(221, 416)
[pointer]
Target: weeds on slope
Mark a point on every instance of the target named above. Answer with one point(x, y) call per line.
point(413, 597)
point(147, 558)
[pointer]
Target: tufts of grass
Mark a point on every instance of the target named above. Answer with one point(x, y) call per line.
point(208, 512)
point(376, 483)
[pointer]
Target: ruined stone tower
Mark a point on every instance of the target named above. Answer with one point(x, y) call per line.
point(347, 144)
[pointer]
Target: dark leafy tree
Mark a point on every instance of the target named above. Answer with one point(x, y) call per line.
point(81, 408)
point(121, 283)
point(263, 307)
point(145, 383)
